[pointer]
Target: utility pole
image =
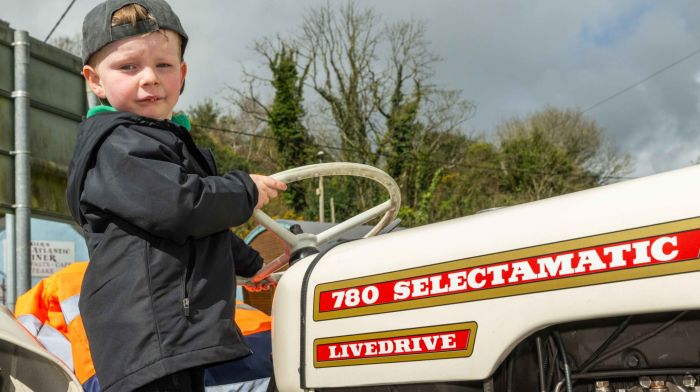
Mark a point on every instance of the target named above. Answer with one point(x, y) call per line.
point(319, 191)
point(22, 271)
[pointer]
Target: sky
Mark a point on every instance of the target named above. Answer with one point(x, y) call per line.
point(510, 58)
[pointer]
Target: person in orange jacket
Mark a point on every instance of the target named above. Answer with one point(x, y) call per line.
point(49, 311)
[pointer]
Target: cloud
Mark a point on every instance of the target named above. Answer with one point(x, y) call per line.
point(616, 26)
point(509, 57)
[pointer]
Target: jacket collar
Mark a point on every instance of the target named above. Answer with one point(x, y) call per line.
point(179, 118)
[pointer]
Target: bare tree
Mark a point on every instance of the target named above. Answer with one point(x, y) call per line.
point(70, 44)
point(368, 88)
point(341, 45)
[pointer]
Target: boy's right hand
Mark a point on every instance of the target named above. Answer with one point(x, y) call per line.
point(268, 188)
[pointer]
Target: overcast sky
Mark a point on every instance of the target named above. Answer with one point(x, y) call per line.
point(508, 57)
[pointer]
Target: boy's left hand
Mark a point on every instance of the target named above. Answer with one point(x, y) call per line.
point(264, 285)
point(268, 188)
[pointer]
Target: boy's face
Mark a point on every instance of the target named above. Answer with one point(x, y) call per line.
point(140, 74)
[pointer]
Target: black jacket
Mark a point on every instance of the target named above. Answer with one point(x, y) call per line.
point(159, 292)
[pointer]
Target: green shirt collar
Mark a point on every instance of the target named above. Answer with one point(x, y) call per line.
point(178, 118)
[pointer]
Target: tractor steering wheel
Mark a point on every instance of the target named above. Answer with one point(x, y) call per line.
point(296, 242)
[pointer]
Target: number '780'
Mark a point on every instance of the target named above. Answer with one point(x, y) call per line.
point(352, 297)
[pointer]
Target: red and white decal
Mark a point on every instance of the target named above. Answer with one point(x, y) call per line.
point(449, 341)
point(642, 252)
point(415, 344)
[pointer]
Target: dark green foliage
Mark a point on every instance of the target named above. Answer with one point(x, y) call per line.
point(401, 134)
point(285, 120)
point(536, 168)
point(556, 151)
point(204, 118)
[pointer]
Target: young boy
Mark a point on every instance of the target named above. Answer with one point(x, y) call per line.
point(157, 300)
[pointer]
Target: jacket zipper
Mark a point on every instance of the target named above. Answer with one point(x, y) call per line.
point(186, 281)
point(186, 306)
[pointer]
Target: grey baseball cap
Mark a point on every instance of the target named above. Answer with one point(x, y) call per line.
point(98, 30)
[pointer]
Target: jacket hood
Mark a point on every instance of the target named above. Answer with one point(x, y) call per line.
point(93, 131)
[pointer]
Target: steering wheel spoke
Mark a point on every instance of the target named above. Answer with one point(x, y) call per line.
point(297, 241)
point(356, 220)
point(273, 226)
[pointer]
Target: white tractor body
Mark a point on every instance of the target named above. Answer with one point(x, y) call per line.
point(449, 301)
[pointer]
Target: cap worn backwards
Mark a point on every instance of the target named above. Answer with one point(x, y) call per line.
point(98, 30)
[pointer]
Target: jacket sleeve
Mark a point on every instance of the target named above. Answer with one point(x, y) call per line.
point(142, 180)
point(248, 261)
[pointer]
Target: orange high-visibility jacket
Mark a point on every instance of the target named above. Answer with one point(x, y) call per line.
point(49, 311)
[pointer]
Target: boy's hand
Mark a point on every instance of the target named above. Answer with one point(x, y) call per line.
point(268, 188)
point(266, 284)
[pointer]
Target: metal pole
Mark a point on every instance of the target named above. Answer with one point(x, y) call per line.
point(91, 97)
point(22, 170)
point(332, 210)
point(321, 211)
point(10, 262)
